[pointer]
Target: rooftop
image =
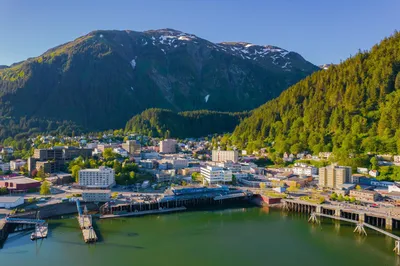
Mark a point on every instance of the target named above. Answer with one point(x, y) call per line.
point(9, 199)
point(19, 180)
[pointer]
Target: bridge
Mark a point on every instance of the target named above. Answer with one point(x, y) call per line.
point(23, 221)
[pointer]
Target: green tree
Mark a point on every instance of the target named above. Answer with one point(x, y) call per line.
point(333, 196)
point(75, 172)
point(45, 188)
point(41, 174)
point(262, 185)
point(374, 163)
point(3, 191)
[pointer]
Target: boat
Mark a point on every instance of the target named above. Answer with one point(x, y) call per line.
point(40, 232)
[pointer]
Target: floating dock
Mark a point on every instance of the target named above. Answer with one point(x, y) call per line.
point(140, 213)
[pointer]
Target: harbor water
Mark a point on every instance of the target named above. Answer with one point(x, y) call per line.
point(236, 236)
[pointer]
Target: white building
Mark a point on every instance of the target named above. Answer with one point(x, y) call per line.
point(96, 195)
point(4, 167)
point(304, 169)
point(103, 177)
point(11, 202)
point(215, 174)
point(224, 156)
point(373, 173)
point(168, 146)
point(16, 164)
point(121, 152)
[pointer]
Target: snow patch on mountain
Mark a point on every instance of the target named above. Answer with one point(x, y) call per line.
point(206, 98)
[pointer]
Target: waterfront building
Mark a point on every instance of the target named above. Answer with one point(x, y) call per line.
point(364, 195)
point(224, 156)
point(133, 147)
point(11, 202)
point(96, 195)
point(334, 176)
point(103, 177)
point(168, 146)
point(215, 174)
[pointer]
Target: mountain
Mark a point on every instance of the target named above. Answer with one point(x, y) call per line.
point(102, 79)
point(3, 66)
point(350, 108)
point(166, 123)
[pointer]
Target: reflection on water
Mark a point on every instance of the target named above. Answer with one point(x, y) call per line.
point(236, 236)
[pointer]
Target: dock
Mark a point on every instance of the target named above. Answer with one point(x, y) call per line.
point(141, 213)
point(86, 225)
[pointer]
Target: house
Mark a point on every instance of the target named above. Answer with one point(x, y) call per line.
point(121, 152)
point(373, 173)
point(362, 170)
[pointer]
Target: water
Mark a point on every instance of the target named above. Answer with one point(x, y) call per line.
point(241, 236)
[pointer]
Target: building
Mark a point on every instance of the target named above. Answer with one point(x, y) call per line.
point(224, 156)
point(96, 195)
point(373, 173)
point(148, 164)
point(103, 177)
point(178, 163)
point(48, 167)
point(168, 146)
point(57, 155)
point(215, 174)
point(9, 202)
point(133, 147)
point(364, 195)
point(18, 183)
point(334, 176)
point(4, 167)
point(17, 164)
point(121, 152)
point(362, 170)
point(304, 169)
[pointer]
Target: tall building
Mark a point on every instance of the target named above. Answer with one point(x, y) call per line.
point(168, 146)
point(334, 176)
point(215, 174)
point(224, 156)
point(103, 177)
point(133, 147)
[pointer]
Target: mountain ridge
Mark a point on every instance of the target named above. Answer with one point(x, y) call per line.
point(101, 79)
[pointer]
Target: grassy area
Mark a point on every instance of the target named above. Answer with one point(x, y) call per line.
point(315, 200)
point(274, 194)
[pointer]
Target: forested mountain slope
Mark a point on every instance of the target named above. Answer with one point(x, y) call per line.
point(353, 107)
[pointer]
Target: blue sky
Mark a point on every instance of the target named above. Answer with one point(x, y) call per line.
point(321, 31)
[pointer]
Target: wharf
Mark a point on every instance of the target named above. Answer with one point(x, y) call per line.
point(89, 235)
point(140, 213)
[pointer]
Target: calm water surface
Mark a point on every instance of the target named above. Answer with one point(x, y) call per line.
point(241, 236)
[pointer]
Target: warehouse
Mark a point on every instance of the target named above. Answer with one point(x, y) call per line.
point(11, 202)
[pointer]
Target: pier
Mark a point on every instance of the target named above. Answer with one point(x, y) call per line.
point(362, 219)
point(86, 224)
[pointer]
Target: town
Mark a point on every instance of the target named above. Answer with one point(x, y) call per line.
point(136, 168)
